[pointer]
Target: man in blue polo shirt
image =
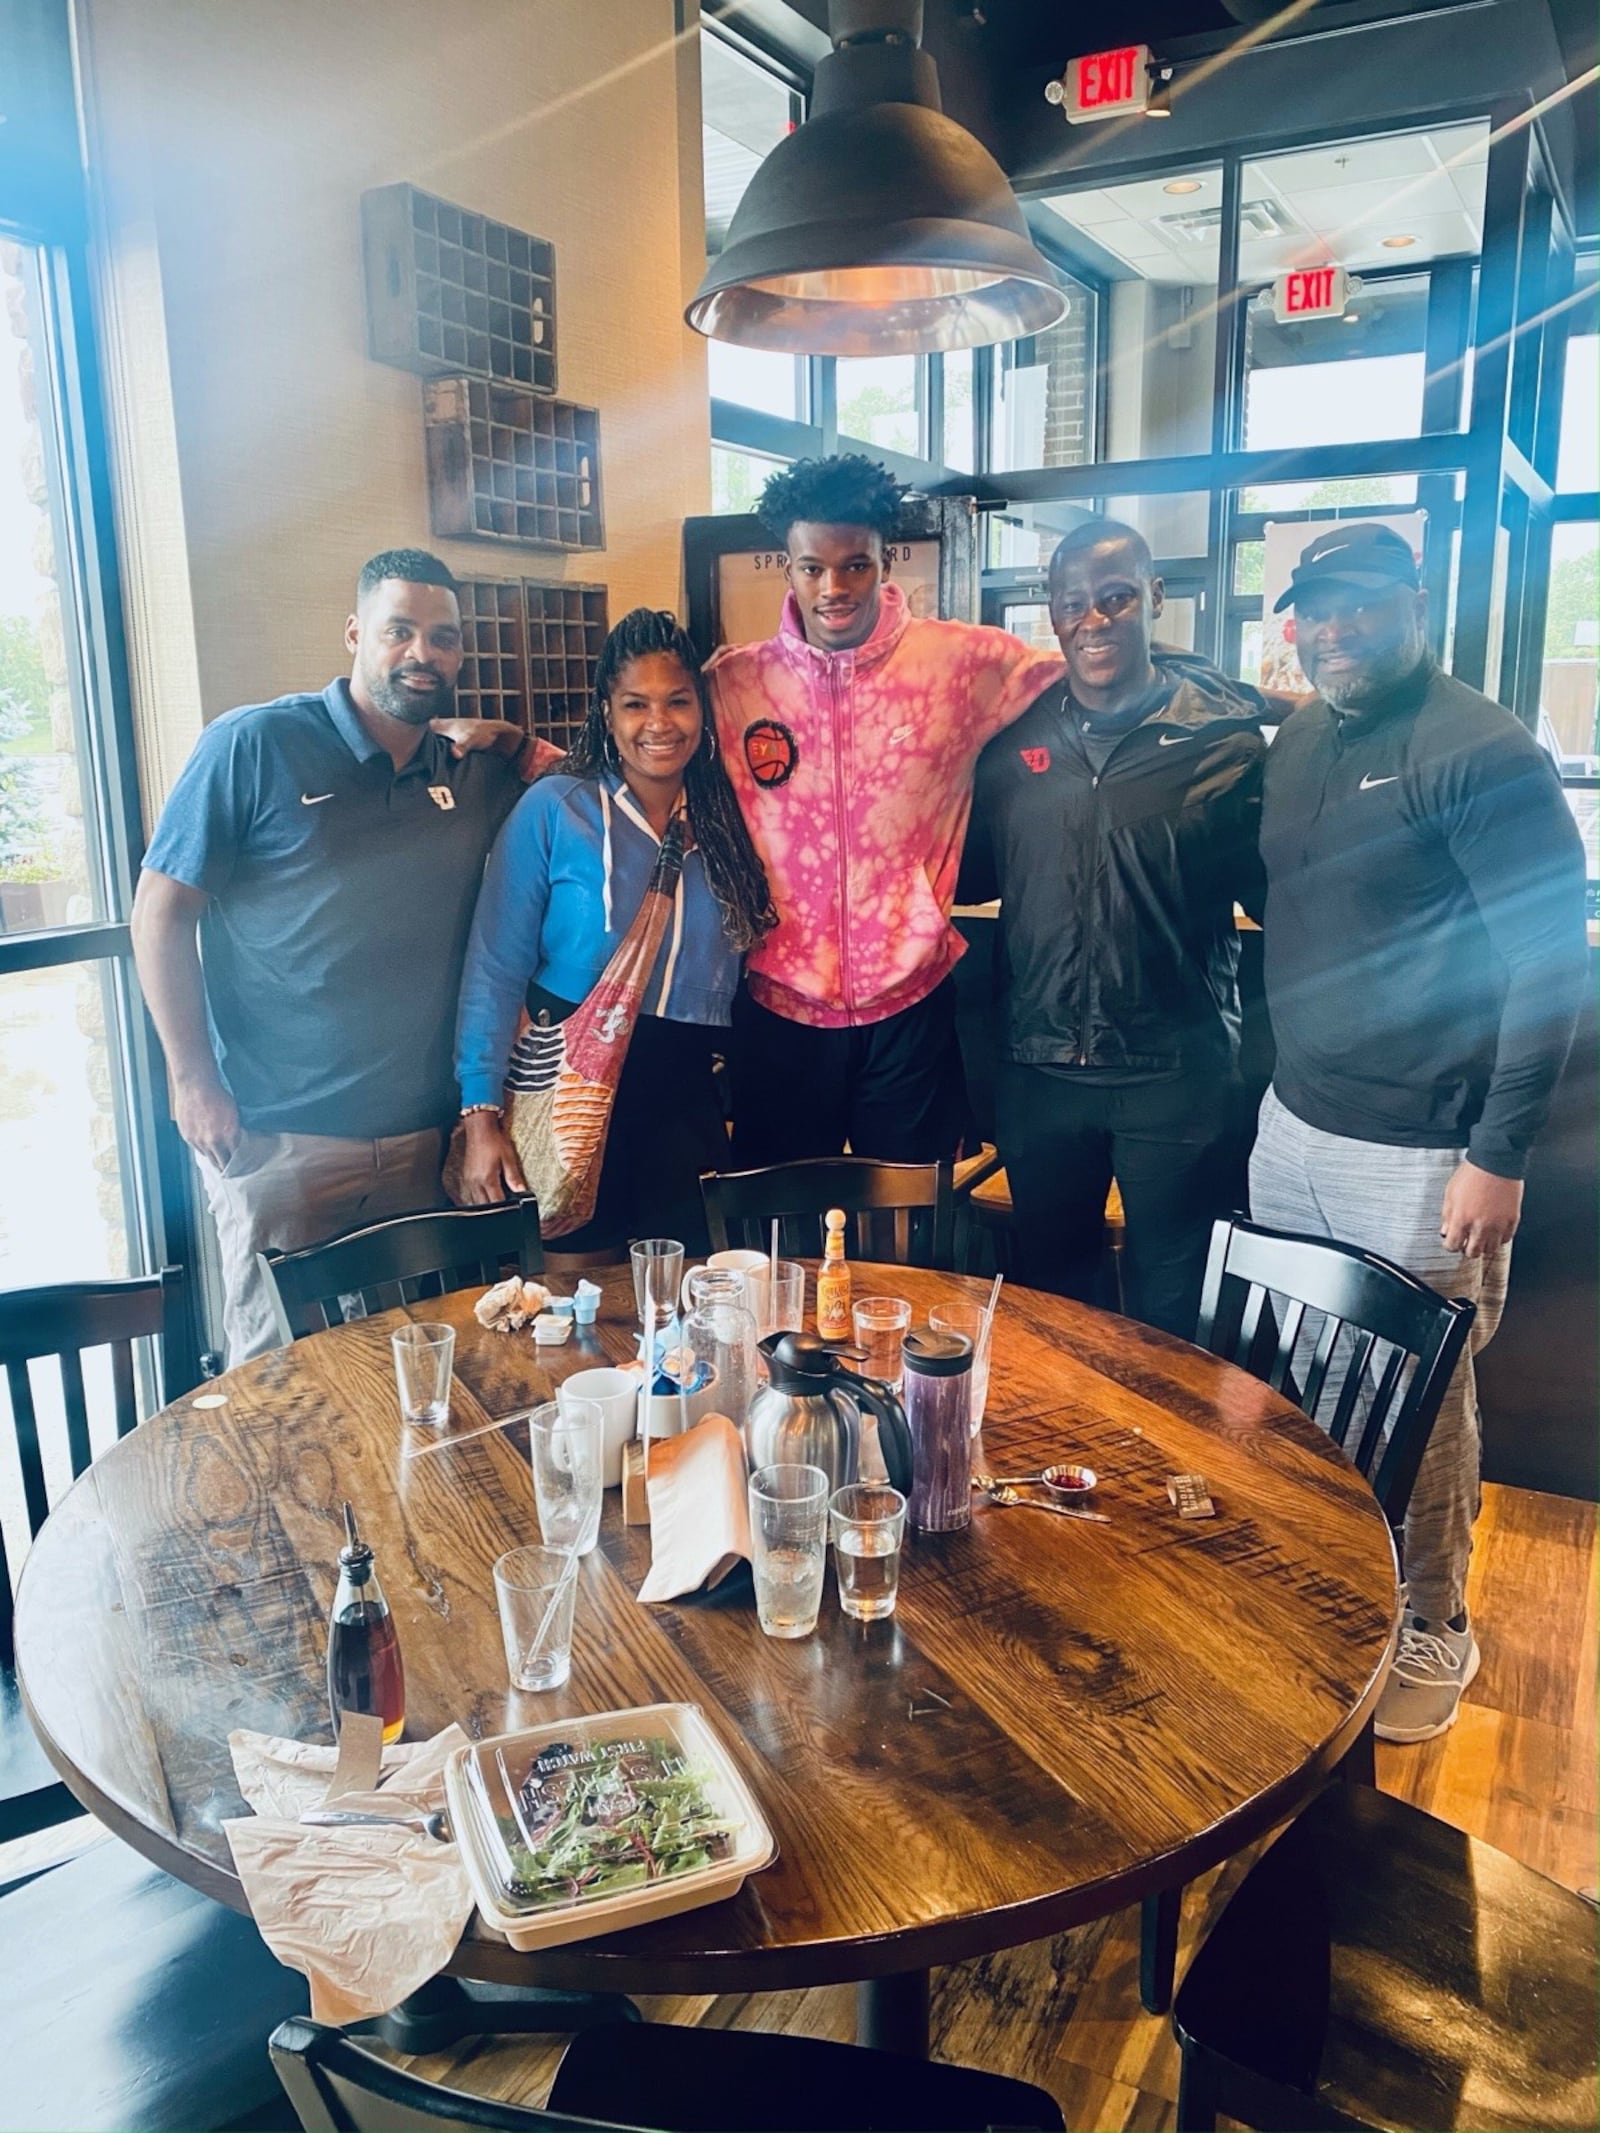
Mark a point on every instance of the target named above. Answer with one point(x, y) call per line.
point(322, 854)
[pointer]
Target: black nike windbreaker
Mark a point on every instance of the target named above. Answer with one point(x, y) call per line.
point(1117, 944)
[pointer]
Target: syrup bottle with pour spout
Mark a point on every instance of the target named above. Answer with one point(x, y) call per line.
point(365, 1672)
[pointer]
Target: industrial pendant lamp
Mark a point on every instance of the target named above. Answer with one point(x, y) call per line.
point(879, 227)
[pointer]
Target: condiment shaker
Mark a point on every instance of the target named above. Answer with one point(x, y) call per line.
point(938, 1401)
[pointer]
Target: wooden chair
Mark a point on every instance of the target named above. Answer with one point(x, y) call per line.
point(127, 2000)
point(63, 1323)
point(664, 2079)
point(1384, 1352)
point(1377, 1968)
point(902, 1214)
point(401, 1261)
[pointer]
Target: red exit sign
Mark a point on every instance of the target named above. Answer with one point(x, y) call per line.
point(1108, 84)
point(1310, 292)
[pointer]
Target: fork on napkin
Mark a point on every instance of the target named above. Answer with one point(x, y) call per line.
point(369, 1911)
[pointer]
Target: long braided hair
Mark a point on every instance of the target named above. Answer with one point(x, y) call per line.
point(735, 875)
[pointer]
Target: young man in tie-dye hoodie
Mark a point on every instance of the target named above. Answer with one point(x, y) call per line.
point(850, 738)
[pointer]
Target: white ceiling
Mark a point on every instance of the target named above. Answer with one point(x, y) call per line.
point(1338, 203)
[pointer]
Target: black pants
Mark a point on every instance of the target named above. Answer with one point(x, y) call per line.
point(1170, 1146)
point(666, 1127)
point(891, 1090)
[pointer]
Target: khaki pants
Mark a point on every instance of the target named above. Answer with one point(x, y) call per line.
point(280, 1191)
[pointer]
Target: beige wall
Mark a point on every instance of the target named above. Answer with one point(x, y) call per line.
point(261, 454)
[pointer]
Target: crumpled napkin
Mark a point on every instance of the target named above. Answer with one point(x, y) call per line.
point(697, 1486)
point(368, 1913)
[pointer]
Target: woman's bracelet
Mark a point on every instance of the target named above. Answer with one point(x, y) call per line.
point(467, 1110)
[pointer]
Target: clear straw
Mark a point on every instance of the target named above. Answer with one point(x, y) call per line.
point(772, 1274)
point(990, 1307)
point(647, 1415)
point(539, 1635)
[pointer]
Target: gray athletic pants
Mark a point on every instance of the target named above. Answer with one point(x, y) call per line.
point(1388, 1200)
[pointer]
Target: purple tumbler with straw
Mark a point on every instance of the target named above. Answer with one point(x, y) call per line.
point(938, 1403)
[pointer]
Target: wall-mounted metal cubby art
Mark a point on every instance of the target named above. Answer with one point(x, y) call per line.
point(531, 653)
point(449, 290)
point(504, 465)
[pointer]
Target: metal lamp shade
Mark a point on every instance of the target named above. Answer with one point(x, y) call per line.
point(881, 230)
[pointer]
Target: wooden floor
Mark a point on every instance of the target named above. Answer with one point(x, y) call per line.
point(1518, 1769)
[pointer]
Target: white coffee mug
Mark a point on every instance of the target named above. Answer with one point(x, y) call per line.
point(732, 1262)
point(616, 1394)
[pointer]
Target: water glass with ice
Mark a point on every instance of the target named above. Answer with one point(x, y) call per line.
point(789, 1546)
point(869, 1524)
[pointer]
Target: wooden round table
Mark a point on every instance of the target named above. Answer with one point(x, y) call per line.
point(1060, 1719)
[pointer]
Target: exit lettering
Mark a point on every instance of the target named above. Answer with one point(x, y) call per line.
point(1310, 292)
point(1107, 84)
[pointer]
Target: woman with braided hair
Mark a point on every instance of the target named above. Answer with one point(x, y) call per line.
point(563, 883)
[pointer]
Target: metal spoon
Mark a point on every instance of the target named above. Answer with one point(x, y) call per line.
point(1002, 1493)
point(431, 1825)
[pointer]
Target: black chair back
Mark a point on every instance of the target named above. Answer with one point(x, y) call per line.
point(64, 1323)
point(402, 1261)
point(901, 1214)
point(1377, 1364)
point(337, 2086)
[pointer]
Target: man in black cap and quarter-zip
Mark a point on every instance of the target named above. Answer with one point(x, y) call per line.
point(1425, 964)
point(1116, 821)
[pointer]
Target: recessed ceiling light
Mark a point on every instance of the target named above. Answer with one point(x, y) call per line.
point(1397, 244)
point(1181, 185)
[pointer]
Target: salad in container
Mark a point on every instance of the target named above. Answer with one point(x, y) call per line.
point(590, 1825)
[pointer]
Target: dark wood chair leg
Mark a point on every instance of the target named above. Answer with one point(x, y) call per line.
point(1199, 2092)
point(1158, 1948)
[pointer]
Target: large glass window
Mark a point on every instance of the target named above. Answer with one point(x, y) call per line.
point(745, 111)
point(881, 401)
point(1578, 466)
point(50, 873)
point(1567, 697)
point(1153, 246)
point(1045, 391)
point(737, 478)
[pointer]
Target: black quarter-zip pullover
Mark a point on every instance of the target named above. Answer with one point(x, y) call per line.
point(1117, 867)
point(1425, 946)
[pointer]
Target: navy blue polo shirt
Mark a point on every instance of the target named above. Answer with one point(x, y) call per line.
point(342, 893)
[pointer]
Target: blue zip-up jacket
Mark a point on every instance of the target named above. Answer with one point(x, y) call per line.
point(564, 882)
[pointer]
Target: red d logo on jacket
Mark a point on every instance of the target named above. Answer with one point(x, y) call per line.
point(1037, 759)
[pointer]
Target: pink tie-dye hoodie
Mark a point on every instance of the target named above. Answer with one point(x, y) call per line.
point(854, 772)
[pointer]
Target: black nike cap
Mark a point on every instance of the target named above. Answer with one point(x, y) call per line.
point(1371, 557)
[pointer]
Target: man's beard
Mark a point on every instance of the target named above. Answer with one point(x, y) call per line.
point(1385, 672)
point(394, 700)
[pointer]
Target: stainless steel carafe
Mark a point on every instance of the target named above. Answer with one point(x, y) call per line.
point(809, 1414)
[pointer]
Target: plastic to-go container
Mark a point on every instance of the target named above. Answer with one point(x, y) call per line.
point(590, 1825)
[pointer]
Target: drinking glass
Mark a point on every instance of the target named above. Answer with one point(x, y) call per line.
point(777, 1307)
point(789, 1546)
point(424, 1359)
point(869, 1524)
point(971, 1321)
point(535, 1588)
point(879, 1324)
point(657, 1275)
point(720, 1335)
point(565, 1440)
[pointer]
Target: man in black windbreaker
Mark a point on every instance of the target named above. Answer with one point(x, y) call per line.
point(1116, 821)
point(1425, 964)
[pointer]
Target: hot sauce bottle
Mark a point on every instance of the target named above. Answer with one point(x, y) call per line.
point(833, 1283)
point(364, 1668)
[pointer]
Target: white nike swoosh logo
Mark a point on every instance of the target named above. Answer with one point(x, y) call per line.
point(1369, 781)
point(1174, 740)
point(314, 799)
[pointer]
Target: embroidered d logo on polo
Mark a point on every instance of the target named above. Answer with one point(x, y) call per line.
point(442, 797)
point(1037, 759)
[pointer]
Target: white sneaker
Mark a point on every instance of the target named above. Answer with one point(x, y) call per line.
point(1432, 1670)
